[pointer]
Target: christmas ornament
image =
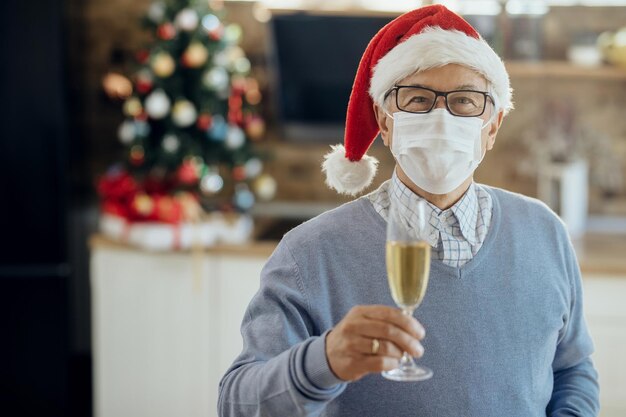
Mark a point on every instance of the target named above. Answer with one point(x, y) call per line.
point(232, 34)
point(232, 55)
point(142, 129)
point(255, 128)
point(210, 22)
point(239, 84)
point(190, 205)
point(265, 187)
point(187, 20)
point(235, 137)
point(204, 122)
point(116, 86)
point(244, 199)
point(253, 96)
point(241, 65)
point(157, 104)
point(253, 167)
point(213, 26)
point(126, 132)
point(216, 79)
point(239, 173)
point(170, 143)
point(163, 64)
point(189, 171)
point(220, 59)
point(117, 185)
point(142, 117)
point(132, 107)
point(184, 113)
point(195, 55)
point(166, 31)
point(137, 155)
point(211, 184)
point(218, 129)
point(143, 204)
point(156, 11)
point(168, 210)
point(235, 113)
point(143, 82)
point(142, 56)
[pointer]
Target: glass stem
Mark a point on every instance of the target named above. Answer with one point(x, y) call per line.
point(407, 360)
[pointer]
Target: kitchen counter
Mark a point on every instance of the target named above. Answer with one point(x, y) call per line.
point(598, 254)
point(602, 254)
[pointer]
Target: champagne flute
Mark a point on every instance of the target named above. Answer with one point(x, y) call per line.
point(408, 267)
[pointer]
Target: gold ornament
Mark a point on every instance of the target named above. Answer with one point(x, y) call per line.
point(265, 187)
point(117, 86)
point(196, 55)
point(144, 204)
point(132, 107)
point(163, 64)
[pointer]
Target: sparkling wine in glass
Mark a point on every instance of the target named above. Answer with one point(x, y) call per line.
point(408, 267)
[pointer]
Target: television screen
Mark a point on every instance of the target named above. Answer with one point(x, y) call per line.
point(314, 61)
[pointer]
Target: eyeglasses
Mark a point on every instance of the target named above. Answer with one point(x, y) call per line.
point(462, 103)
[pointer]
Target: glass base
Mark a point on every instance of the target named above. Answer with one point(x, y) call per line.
point(408, 373)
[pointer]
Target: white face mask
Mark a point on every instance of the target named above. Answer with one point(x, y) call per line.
point(436, 150)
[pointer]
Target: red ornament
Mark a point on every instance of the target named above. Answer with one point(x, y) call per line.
point(168, 209)
point(137, 155)
point(118, 186)
point(166, 31)
point(216, 34)
point(239, 173)
point(188, 173)
point(143, 85)
point(235, 114)
point(142, 116)
point(142, 56)
point(204, 122)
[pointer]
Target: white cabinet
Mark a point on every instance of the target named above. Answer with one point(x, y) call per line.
point(605, 312)
point(165, 327)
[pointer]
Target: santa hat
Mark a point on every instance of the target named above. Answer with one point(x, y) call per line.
point(428, 37)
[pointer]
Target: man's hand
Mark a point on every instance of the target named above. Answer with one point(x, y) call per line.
point(349, 344)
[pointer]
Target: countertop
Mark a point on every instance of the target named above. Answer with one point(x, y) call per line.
point(598, 254)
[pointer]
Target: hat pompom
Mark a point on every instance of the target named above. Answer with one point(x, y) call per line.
point(345, 176)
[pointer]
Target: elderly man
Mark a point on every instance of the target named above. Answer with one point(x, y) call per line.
point(501, 325)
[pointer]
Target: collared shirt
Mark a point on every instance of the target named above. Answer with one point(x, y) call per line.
point(456, 234)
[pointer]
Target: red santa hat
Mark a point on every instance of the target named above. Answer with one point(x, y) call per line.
point(428, 37)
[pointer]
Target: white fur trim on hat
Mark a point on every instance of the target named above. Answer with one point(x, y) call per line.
point(345, 176)
point(436, 47)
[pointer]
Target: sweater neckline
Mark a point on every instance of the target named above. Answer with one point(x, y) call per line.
point(484, 250)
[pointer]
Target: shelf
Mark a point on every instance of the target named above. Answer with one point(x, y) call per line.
point(563, 69)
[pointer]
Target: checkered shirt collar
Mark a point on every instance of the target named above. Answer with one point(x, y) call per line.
point(465, 210)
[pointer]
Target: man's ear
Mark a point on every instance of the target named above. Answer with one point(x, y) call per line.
point(493, 130)
point(382, 119)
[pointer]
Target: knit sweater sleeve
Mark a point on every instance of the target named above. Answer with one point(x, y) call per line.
point(282, 369)
point(575, 391)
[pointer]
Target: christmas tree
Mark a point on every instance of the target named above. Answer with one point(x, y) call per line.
point(191, 117)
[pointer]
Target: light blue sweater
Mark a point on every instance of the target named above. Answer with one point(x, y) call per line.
point(505, 333)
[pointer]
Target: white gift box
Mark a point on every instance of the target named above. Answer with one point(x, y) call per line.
point(159, 236)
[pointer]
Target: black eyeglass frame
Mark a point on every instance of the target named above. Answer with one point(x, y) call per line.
point(438, 94)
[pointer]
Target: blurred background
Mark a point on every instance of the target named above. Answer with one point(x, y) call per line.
point(152, 154)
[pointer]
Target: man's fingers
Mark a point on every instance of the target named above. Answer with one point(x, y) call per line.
point(384, 331)
point(393, 315)
point(365, 345)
